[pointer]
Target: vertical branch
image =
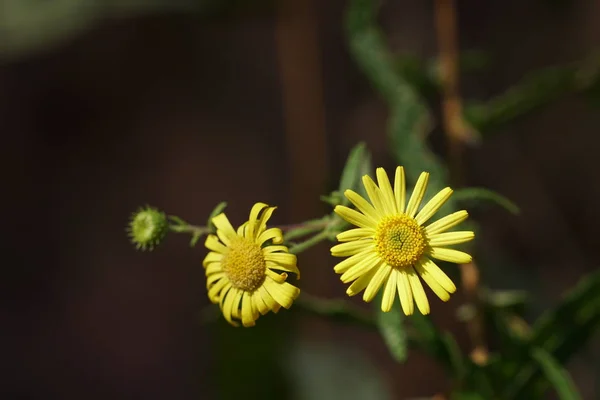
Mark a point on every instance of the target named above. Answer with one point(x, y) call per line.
point(458, 133)
point(302, 94)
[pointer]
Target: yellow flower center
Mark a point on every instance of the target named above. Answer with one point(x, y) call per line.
point(400, 240)
point(244, 264)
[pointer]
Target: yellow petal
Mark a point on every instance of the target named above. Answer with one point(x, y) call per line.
point(389, 292)
point(227, 307)
point(352, 248)
point(354, 217)
point(253, 221)
point(383, 272)
point(273, 234)
point(268, 299)
point(212, 243)
point(405, 292)
point(450, 255)
point(235, 307)
point(418, 292)
point(284, 294)
point(211, 258)
point(216, 291)
point(259, 303)
point(361, 283)
point(242, 229)
point(417, 194)
point(440, 276)
point(275, 249)
point(450, 238)
point(387, 193)
point(281, 258)
point(350, 261)
point(400, 189)
point(277, 277)
point(213, 268)
point(223, 224)
point(361, 204)
point(361, 268)
point(247, 316)
point(374, 194)
point(287, 268)
point(446, 223)
point(214, 277)
point(262, 222)
point(432, 282)
point(355, 234)
point(433, 205)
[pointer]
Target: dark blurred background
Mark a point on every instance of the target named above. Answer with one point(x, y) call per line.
point(105, 107)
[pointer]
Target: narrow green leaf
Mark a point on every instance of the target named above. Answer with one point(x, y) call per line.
point(556, 374)
point(216, 211)
point(391, 327)
point(482, 194)
point(561, 332)
point(177, 220)
point(352, 169)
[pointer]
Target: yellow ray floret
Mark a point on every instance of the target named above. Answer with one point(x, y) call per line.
point(246, 269)
point(392, 248)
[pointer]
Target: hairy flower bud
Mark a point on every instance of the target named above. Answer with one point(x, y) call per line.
point(147, 228)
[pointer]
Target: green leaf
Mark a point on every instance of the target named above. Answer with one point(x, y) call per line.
point(556, 374)
point(481, 195)
point(357, 165)
point(216, 211)
point(561, 332)
point(391, 327)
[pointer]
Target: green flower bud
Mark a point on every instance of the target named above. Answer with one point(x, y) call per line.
point(147, 228)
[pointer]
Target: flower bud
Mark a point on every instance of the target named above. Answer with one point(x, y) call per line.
point(147, 228)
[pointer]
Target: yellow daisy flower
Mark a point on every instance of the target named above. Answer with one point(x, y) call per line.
point(246, 271)
point(392, 247)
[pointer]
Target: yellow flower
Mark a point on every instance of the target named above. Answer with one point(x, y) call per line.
point(246, 271)
point(392, 247)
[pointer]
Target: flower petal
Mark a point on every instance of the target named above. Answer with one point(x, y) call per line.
point(284, 293)
point(418, 292)
point(382, 274)
point(450, 255)
point(450, 238)
point(417, 194)
point(287, 268)
point(446, 223)
point(352, 248)
point(282, 258)
point(212, 243)
point(216, 291)
point(432, 282)
point(361, 283)
point(273, 234)
point(360, 268)
point(223, 224)
point(354, 217)
point(389, 292)
point(268, 299)
point(247, 314)
point(275, 249)
point(264, 218)
point(227, 305)
point(212, 257)
point(259, 303)
point(361, 204)
point(405, 292)
point(350, 261)
point(440, 276)
point(400, 189)
point(374, 195)
point(387, 194)
point(355, 234)
point(433, 205)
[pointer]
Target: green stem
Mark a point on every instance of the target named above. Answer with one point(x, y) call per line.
point(319, 237)
point(305, 228)
point(337, 310)
point(193, 229)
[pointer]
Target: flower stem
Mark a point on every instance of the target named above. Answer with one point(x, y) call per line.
point(319, 237)
point(336, 310)
point(193, 229)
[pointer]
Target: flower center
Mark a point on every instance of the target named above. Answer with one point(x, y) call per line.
point(244, 264)
point(400, 240)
